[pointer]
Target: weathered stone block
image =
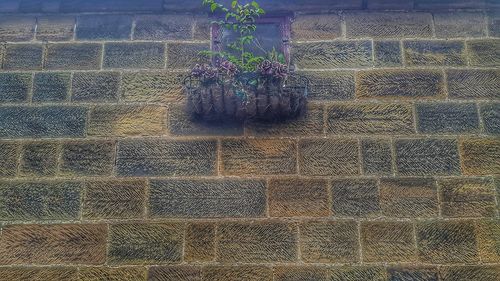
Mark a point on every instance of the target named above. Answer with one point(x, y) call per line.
point(17, 28)
point(207, 198)
point(390, 5)
point(405, 83)
point(395, 24)
point(329, 157)
point(387, 53)
point(388, 242)
point(408, 197)
point(451, 118)
point(358, 198)
point(257, 242)
point(480, 156)
point(23, 57)
point(95, 86)
point(127, 120)
point(8, 162)
point(316, 27)
point(369, 119)
point(494, 23)
point(38, 273)
point(166, 158)
point(468, 83)
point(244, 272)
point(109, 273)
point(42, 122)
point(161, 87)
point(72, 6)
point(490, 114)
point(377, 157)
point(39, 159)
point(39, 200)
point(467, 197)
point(373, 273)
point(141, 243)
point(200, 242)
point(448, 4)
point(185, 55)
point(298, 273)
point(413, 273)
point(39, 6)
point(8, 6)
point(459, 24)
point(69, 56)
point(488, 237)
point(298, 197)
point(53, 244)
point(484, 52)
point(472, 272)
point(446, 242)
point(434, 53)
point(329, 241)
point(55, 28)
point(51, 86)
point(164, 27)
point(330, 85)
point(134, 55)
point(338, 54)
point(87, 158)
point(420, 157)
point(14, 87)
point(174, 273)
point(114, 199)
point(258, 156)
point(103, 27)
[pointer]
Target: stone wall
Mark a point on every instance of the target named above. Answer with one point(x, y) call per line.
point(393, 174)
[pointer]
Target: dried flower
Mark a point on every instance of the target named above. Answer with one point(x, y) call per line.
point(205, 72)
point(273, 69)
point(228, 68)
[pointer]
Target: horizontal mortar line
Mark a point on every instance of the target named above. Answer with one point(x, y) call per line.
point(103, 41)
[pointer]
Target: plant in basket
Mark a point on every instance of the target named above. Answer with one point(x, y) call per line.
point(239, 84)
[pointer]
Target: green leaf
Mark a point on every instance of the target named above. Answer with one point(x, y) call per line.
point(233, 4)
point(255, 5)
point(213, 7)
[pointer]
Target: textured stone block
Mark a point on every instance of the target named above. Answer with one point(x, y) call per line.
point(494, 23)
point(51, 86)
point(185, 55)
point(459, 24)
point(446, 242)
point(484, 52)
point(405, 83)
point(174, 273)
point(109, 273)
point(39, 159)
point(256, 242)
point(390, 4)
point(114, 199)
point(39, 6)
point(453, 118)
point(73, 56)
point(316, 27)
point(95, 86)
point(17, 28)
point(395, 24)
point(373, 273)
point(244, 272)
point(42, 122)
point(369, 119)
point(338, 54)
point(55, 28)
point(298, 197)
point(8, 162)
point(434, 53)
point(464, 273)
point(358, 198)
point(164, 27)
point(152, 243)
point(161, 87)
point(207, 198)
point(14, 87)
point(53, 244)
point(387, 53)
point(72, 6)
point(329, 157)
point(490, 114)
point(38, 273)
point(467, 197)
point(166, 158)
point(413, 273)
point(408, 197)
point(8, 6)
point(87, 158)
point(134, 55)
point(258, 156)
point(127, 120)
point(480, 156)
point(39, 201)
point(329, 241)
point(388, 242)
point(448, 4)
point(103, 27)
point(488, 237)
point(23, 57)
point(330, 85)
point(473, 84)
point(420, 157)
point(299, 273)
point(200, 242)
point(377, 157)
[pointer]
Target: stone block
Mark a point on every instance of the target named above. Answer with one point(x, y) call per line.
point(110, 273)
point(23, 57)
point(200, 242)
point(330, 85)
point(358, 197)
point(338, 54)
point(134, 55)
point(164, 27)
point(55, 28)
point(329, 157)
point(400, 273)
point(174, 273)
point(408, 197)
point(316, 27)
point(485, 53)
point(434, 53)
point(14, 87)
point(473, 83)
point(185, 55)
point(10, 155)
point(387, 53)
point(243, 272)
point(87, 158)
point(54, 273)
point(467, 197)
point(459, 24)
point(488, 237)
point(95, 86)
point(372, 273)
point(15, 28)
point(388, 242)
point(480, 156)
point(162, 87)
point(377, 157)
point(447, 118)
point(51, 86)
point(387, 25)
point(39, 159)
point(103, 27)
point(471, 272)
point(299, 273)
point(490, 114)
point(73, 56)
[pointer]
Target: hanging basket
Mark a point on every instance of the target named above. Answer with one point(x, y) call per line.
point(267, 100)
